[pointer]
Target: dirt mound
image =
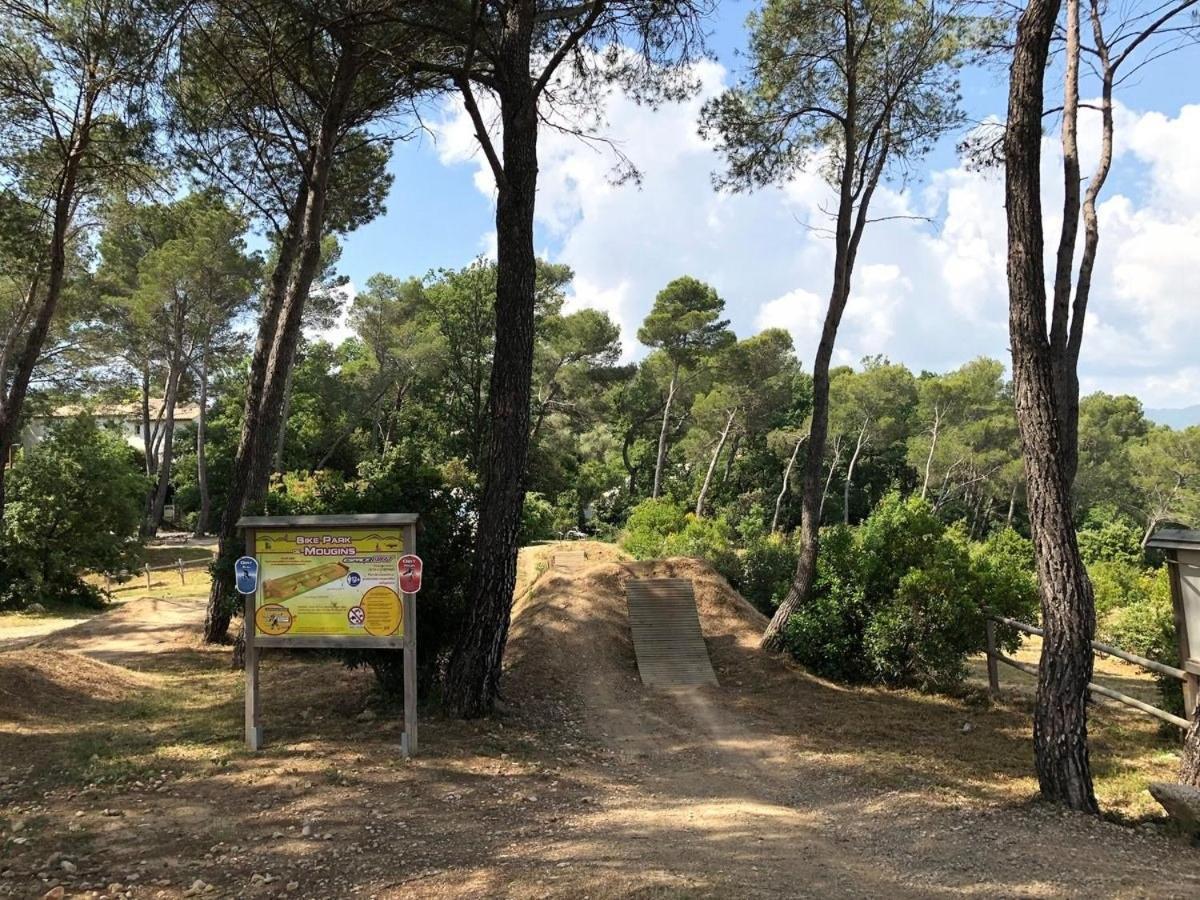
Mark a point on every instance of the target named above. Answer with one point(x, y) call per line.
point(574, 626)
point(41, 685)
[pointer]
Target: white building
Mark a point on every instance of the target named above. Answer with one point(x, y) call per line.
point(124, 417)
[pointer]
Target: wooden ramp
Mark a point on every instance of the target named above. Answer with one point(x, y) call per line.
point(666, 632)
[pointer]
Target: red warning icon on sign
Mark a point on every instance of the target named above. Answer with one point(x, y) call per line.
point(410, 573)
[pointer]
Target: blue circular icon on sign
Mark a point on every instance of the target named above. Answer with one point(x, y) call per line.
point(354, 579)
point(246, 572)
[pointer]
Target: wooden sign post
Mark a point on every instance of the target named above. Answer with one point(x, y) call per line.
point(334, 582)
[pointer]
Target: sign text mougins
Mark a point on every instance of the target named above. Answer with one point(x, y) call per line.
point(336, 581)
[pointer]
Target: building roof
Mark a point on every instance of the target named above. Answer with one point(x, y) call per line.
point(1175, 539)
point(184, 412)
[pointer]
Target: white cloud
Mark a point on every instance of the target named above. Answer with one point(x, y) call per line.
point(930, 287)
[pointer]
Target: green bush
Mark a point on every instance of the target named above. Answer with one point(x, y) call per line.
point(1109, 537)
point(393, 484)
point(900, 600)
point(74, 506)
point(768, 566)
point(707, 539)
point(649, 525)
point(1144, 623)
point(537, 519)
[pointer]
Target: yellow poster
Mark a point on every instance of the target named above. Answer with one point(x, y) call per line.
point(341, 582)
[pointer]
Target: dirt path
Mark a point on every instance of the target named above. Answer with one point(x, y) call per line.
point(585, 784)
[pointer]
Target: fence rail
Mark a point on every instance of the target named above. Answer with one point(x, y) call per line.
point(179, 565)
point(994, 656)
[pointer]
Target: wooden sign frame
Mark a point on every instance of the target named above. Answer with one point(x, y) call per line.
point(406, 643)
point(1177, 543)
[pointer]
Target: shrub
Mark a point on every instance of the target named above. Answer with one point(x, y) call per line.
point(74, 505)
point(649, 525)
point(922, 634)
point(900, 600)
point(768, 566)
point(1145, 624)
point(1110, 538)
point(707, 539)
point(537, 519)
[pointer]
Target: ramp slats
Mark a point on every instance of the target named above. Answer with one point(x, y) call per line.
point(666, 632)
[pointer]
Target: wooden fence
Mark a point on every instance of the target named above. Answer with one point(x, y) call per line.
point(994, 657)
point(180, 565)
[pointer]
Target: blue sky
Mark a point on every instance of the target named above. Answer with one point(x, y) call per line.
point(923, 298)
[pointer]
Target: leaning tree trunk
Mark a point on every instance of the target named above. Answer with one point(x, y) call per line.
point(281, 441)
point(283, 309)
point(660, 460)
point(810, 496)
point(787, 475)
point(13, 402)
point(473, 676)
point(1068, 614)
point(712, 465)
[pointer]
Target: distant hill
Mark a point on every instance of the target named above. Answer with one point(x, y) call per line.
point(1176, 418)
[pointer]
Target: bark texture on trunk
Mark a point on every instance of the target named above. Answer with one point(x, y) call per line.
point(661, 459)
point(473, 675)
point(1189, 765)
point(1068, 615)
point(279, 330)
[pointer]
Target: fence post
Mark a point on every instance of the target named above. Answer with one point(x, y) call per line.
point(993, 666)
point(147, 577)
point(179, 562)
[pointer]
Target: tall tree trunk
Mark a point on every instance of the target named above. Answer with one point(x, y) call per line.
point(205, 511)
point(283, 307)
point(473, 675)
point(858, 445)
point(281, 442)
point(811, 494)
point(731, 457)
point(1068, 614)
point(662, 434)
point(147, 437)
point(783, 487)
point(158, 500)
point(1012, 507)
point(712, 464)
point(855, 189)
